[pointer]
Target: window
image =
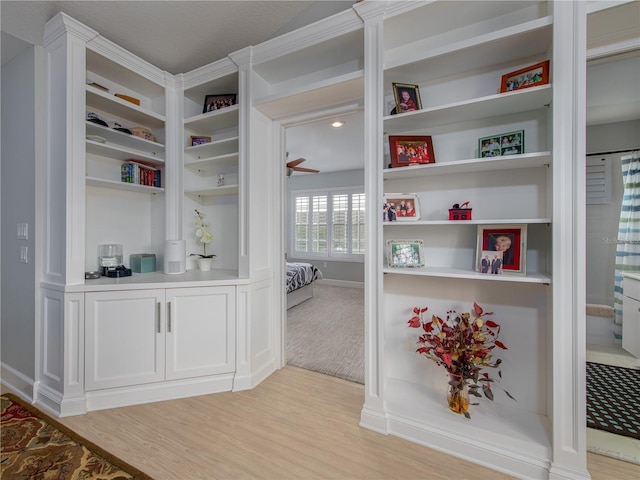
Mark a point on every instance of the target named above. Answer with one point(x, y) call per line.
point(329, 223)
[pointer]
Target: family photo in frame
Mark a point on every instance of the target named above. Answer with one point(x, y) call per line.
point(405, 253)
point(197, 140)
point(410, 150)
point(218, 102)
point(511, 143)
point(400, 207)
point(511, 243)
point(407, 97)
point(532, 76)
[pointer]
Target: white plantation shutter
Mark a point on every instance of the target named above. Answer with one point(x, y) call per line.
point(329, 224)
point(598, 180)
point(357, 223)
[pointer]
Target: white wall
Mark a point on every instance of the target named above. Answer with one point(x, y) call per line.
point(346, 271)
point(602, 220)
point(20, 132)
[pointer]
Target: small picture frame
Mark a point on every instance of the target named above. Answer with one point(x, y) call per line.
point(407, 97)
point(510, 240)
point(511, 143)
point(401, 207)
point(196, 140)
point(405, 253)
point(490, 262)
point(532, 76)
point(218, 102)
point(407, 150)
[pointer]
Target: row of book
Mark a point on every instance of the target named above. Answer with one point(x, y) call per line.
point(140, 174)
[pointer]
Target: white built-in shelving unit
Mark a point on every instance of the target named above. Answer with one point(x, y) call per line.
point(205, 164)
point(345, 63)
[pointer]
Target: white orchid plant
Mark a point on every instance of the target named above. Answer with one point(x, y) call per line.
point(203, 235)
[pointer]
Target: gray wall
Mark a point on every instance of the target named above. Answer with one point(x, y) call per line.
point(22, 143)
point(343, 271)
point(602, 220)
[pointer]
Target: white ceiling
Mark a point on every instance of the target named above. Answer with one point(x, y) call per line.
point(176, 36)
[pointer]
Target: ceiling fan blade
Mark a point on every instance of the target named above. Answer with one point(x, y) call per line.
point(302, 169)
point(294, 163)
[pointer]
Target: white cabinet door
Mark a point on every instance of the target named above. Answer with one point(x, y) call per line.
point(200, 331)
point(124, 338)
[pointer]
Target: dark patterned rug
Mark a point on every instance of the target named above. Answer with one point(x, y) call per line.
point(613, 399)
point(35, 446)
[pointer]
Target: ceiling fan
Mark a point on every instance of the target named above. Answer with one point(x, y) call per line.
point(292, 166)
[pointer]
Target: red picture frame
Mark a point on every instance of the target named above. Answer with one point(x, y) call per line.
point(408, 150)
point(532, 76)
point(511, 240)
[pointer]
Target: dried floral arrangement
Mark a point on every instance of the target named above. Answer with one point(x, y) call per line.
point(463, 344)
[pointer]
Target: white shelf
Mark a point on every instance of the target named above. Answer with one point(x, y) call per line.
point(474, 165)
point(103, 101)
point(523, 433)
point(207, 123)
point(336, 91)
point(126, 141)
point(97, 63)
point(213, 149)
point(497, 105)
point(205, 165)
point(470, 274)
point(508, 44)
point(120, 153)
point(213, 191)
point(130, 187)
point(487, 221)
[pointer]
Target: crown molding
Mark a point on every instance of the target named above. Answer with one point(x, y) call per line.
point(326, 29)
point(62, 24)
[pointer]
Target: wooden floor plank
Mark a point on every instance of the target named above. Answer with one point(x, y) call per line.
point(295, 425)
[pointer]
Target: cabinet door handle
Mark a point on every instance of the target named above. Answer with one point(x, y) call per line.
point(158, 316)
point(169, 317)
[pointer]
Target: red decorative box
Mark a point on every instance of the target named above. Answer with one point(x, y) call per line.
point(460, 213)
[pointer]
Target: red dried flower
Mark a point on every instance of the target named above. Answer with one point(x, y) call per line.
point(463, 344)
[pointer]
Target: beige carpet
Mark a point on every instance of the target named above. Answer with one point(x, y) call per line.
point(326, 333)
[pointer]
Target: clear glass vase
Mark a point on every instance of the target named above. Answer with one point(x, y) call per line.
point(458, 395)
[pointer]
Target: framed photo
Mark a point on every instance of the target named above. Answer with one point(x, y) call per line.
point(405, 253)
point(410, 150)
point(401, 207)
point(407, 97)
point(490, 261)
point(199, 140)
point(532, 76)
point(218, 102)
point(509, 240)
point(511, 143)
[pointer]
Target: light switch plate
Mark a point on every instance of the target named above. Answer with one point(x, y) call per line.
point(23, 231)
point(24, 254)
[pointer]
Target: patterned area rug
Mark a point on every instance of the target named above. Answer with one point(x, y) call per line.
point(613, 399)
point(35, 446)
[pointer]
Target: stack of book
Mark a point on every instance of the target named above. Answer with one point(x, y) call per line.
point(140, 174)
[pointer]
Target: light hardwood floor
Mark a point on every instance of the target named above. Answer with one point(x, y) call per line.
point(297, 424)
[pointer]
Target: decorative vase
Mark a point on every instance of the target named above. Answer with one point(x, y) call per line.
point(458, 395)
point(204, 264)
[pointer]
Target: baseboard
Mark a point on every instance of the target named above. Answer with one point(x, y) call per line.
point(156, 392)
point(17, 382)
point(518, 463)
point(373, 420)
point(248, 381)
point(53, 403)
point(340, 283)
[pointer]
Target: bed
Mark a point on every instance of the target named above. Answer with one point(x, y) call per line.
point(300, 279)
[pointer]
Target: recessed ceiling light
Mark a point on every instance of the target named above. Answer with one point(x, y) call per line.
point(337, 123)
